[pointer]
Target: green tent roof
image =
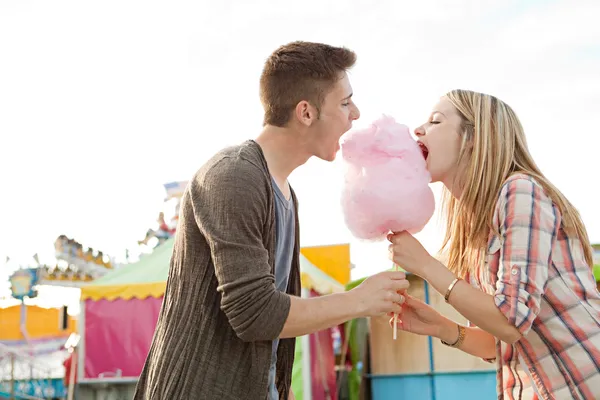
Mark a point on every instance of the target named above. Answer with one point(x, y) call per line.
point(153, 267)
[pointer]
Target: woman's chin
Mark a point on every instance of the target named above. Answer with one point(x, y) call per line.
point(434, 177)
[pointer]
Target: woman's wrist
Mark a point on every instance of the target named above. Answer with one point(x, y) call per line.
point(448, 331)
point(431, 268)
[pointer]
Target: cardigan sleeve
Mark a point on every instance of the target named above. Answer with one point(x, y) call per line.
point(231, 209)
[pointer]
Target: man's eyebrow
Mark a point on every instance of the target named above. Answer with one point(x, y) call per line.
point(348, 97)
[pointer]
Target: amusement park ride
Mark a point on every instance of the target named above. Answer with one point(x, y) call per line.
point(165, 231)
point(75, 266)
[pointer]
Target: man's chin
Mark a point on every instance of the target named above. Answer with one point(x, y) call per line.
point(338, 147)
point(334, 154)
point(328, 158)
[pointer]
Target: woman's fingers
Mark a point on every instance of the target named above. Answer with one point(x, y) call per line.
point(411, 301)
point(392, 314)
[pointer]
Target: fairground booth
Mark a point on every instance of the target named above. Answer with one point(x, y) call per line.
point(416, 367)
point(37, 343)
point(119, 313)
point(33, 352)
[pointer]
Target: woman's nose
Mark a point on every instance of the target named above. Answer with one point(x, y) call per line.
point(420, 131)
point(355, 114)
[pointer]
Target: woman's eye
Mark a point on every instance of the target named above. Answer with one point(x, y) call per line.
point(434, 122)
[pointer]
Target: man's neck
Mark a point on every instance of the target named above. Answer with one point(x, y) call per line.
point(283, 151)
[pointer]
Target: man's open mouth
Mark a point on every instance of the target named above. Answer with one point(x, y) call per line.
point(424, 150)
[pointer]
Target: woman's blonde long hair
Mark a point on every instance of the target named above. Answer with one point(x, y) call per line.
point(494, 142)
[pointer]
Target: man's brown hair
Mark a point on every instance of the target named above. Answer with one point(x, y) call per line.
point(300, 71)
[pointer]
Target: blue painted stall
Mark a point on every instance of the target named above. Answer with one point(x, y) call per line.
point(421, 368)
point(34, 388)
point(466, 385)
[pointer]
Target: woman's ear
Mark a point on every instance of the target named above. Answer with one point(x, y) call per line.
point(469, 143)
point(466, 144)
point(468, 138)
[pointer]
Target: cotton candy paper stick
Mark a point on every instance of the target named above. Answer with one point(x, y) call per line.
point(395, 315)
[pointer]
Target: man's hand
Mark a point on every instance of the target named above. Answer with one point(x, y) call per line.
point(377, 295)
point(380, 294)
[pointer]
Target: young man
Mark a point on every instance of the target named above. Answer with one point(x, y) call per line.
point(232, 308)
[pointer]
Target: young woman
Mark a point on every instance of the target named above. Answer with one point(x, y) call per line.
point(518, 257)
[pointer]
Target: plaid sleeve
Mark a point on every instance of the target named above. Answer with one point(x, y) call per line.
point(528, 223)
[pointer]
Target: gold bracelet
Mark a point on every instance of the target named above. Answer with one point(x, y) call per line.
point(461, 337)
point(449, 290)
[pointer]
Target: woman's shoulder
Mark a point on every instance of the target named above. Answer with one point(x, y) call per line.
point(522, 184)
point(521, 191)
point(521, 178)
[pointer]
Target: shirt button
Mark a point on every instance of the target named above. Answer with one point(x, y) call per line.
point(514, 271)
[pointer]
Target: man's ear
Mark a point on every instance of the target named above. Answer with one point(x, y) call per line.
point(305, 113)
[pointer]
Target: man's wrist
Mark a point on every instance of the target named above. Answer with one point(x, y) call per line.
point(354, 303)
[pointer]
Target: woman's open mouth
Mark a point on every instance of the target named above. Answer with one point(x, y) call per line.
point(424, 150)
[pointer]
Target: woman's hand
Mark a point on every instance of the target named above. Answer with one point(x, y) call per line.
point(408, 253)
point(420, 318)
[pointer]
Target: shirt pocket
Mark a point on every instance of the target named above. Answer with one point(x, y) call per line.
point(490, 266)
point(494, 245)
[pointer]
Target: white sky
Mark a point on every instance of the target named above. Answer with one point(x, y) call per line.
point(103, 102)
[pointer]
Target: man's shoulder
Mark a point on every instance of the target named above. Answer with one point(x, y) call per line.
point(241, 162)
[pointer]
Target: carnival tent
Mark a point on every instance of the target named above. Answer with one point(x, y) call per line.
point(119, 313)
point(147, 277)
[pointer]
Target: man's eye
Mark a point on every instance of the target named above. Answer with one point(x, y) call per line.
point(345, 104)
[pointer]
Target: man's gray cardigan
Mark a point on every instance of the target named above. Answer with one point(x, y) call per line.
point(221, 309)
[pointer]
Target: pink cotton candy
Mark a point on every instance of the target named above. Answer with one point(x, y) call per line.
point(387, 182)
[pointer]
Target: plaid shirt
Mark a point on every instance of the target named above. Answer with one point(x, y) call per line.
point(541, 282)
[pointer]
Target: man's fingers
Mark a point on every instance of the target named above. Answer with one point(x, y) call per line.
point(397, 298)
point(400, 285)
point(396, 275)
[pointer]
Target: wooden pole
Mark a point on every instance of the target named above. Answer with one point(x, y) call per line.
point(72, 374)
point(12, 376)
